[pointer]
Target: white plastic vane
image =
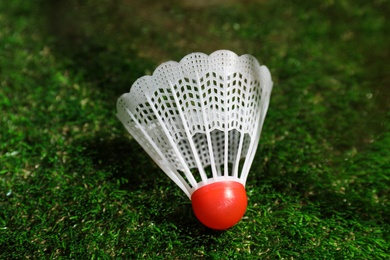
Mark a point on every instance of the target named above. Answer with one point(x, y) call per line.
point(200, 120)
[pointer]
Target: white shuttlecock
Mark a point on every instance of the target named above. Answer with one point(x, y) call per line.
point(198, 119)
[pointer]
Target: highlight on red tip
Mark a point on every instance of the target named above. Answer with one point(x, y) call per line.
point(220, 205)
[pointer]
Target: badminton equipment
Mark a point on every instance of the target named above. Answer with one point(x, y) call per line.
point(200, 120)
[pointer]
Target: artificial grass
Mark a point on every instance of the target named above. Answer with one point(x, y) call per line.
point(73, 184)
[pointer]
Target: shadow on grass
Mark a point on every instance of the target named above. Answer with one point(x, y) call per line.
point(124, 159)
point(160, 201)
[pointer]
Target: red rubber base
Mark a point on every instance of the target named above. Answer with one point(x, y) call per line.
point(220, 205)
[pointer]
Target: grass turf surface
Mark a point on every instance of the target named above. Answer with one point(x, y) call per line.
point(74, 185)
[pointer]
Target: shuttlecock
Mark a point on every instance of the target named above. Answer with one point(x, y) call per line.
point(198, 119)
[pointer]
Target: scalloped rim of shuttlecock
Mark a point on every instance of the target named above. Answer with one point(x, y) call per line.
point(204, 186)
point(174, 64)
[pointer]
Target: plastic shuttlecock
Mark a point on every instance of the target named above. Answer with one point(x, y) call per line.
point(200, 120)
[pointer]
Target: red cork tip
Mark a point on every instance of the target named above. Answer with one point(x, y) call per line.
point(220, 205)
